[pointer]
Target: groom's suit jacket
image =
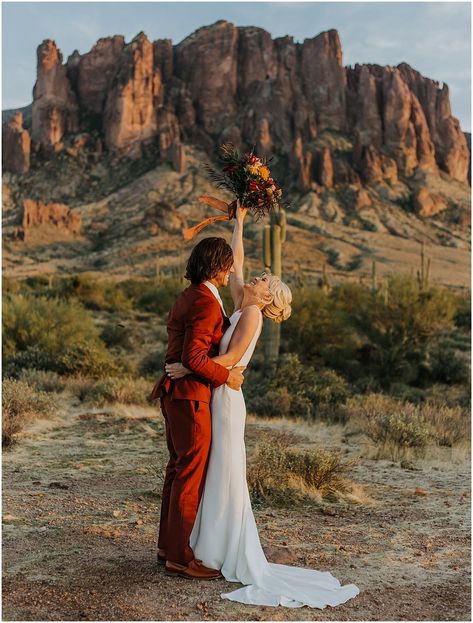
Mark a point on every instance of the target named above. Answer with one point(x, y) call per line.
point(196, 324)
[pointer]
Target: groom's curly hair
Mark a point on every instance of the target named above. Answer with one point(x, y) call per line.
point(208, 257)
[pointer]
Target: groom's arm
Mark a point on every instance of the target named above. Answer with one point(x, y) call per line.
point(199, 326)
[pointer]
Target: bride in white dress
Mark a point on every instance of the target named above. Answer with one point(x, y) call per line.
point(225, 535)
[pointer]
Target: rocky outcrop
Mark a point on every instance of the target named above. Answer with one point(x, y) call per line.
point(36, 213)
point(96, 70)
point(426, 204)
point(55, 109)
point(16, 144)
point(324, 79)
point(207, 62)
point(228, 83)
point(451, 150)
point(130, 115)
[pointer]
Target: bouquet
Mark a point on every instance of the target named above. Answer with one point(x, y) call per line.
point(248, 178)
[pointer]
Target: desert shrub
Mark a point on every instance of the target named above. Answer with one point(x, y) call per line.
point(449, 425)
point(125, 390)
point(152, 364)
point(93, 293)
point(320, 333)
point(43, 380)
point(395, 426)
point(380, 335)
point(278, 473)
point(20, 404)
point(52, 334)
point(271, 403)
point(160, 298)
point(462, 316)
point(114, 334)
point(404, 392)
point(88, 359)
point(447, 365)
point(296, 390)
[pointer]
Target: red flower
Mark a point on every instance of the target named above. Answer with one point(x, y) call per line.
point(254, 185)
point(252, 159)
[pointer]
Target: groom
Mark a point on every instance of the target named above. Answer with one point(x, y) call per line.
point(196, 324)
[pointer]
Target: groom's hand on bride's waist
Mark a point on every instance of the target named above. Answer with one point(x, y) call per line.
point(236, 378)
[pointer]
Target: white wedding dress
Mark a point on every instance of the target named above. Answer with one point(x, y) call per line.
point(225, 535)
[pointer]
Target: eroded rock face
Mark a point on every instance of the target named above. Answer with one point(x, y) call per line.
point(227, 83)
point(16, 145)
point(427, 204)
point(324, 79)
point(207, 62)
point(36, 213)
point(96, 71)
point(130, 116)
point(451, 150)
point(55, 109)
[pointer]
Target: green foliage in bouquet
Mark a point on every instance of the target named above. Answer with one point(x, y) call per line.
point(248, 178)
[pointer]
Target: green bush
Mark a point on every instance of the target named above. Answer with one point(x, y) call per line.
point(152, 364)
point(115, 334)
point(161, 298)
point(93, 293)
point(448, 365)
point(20, 404)
point(52, 334)
point(296, 390)
point(374, 337)
point(43, 380)
point(125, 390)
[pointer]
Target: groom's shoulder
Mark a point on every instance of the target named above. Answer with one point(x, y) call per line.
point(197, 292)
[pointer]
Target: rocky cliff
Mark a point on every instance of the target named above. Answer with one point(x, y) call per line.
point(229, 83)
point(368, 147)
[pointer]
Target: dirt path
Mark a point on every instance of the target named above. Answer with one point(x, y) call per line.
point(81, 501)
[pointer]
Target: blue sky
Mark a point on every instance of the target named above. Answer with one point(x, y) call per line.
point(433, 37)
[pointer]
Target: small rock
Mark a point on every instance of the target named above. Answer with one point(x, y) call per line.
point(116, 513)
point(58, 485)
point(420, 491)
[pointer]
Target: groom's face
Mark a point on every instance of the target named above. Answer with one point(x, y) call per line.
point(223, 276)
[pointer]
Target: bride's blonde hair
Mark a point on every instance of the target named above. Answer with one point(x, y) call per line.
point(280, 308)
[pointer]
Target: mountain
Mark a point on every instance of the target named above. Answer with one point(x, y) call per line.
point(109, 168)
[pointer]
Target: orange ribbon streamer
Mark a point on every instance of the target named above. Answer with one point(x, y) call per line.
point(218, 204)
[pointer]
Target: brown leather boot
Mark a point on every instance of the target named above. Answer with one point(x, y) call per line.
point(161, 557)
point(195, 570)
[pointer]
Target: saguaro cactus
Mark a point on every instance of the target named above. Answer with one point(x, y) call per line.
point(274, 236)
point(423, 276)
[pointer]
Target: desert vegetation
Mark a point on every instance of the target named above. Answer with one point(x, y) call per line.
point(388, 361)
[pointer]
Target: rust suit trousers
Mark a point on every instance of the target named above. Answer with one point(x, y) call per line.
point(188, 436)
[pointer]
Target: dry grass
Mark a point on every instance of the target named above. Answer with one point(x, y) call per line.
point(280, 473)
point(20, 404)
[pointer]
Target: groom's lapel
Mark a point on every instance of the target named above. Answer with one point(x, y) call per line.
point(226, 320)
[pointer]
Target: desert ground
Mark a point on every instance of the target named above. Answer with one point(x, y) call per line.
point(81, 497)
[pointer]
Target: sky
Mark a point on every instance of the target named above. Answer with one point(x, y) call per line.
point(433, 37)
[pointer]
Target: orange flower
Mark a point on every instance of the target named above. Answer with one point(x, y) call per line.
point(264, 172)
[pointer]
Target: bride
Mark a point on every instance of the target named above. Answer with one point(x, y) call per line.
point(225, 535)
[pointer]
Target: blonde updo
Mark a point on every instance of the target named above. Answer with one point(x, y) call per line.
point(280, 308)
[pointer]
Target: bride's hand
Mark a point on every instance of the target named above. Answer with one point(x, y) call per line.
point(176, 370)
point(240, 212)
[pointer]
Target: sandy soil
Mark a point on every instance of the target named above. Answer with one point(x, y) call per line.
point(81, 502)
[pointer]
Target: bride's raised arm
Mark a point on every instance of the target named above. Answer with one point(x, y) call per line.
point(236, 277)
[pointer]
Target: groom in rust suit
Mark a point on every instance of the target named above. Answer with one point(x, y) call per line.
point(196, 324)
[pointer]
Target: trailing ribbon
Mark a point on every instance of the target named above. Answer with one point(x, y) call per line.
point(218, 204)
